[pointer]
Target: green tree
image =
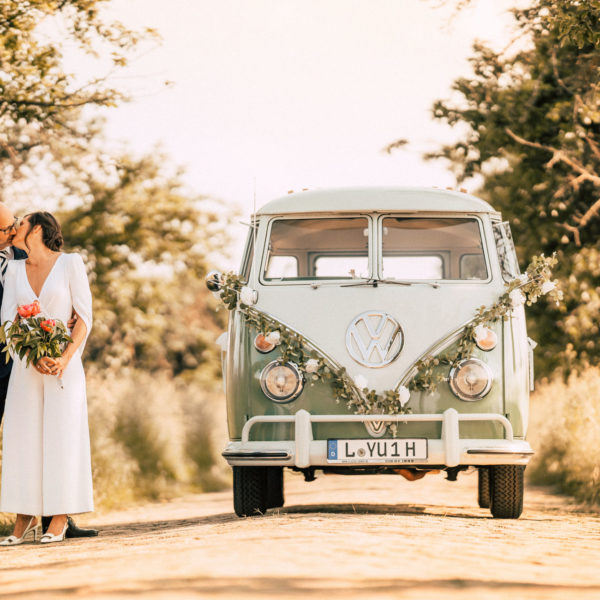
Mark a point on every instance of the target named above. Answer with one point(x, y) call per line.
point(147, 242)
point(146, 238)
point(533, 139)
point(41, 102)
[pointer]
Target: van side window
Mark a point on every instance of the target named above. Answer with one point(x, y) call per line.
point(507, 255)
point(472, 266)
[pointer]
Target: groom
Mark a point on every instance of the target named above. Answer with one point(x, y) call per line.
point(8, 252)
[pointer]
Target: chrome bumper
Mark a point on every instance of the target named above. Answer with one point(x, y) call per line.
point(449, 450)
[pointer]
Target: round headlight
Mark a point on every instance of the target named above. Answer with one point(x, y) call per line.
point(281, 382)
point(471, 379)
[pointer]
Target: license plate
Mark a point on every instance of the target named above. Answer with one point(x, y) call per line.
point(377, 451)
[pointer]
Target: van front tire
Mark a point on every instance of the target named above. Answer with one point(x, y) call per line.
point(274, 487)
point(255, 489)
point(506, 491)
point(483, 487)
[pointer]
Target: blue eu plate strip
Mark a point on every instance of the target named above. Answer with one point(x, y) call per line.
point(332, 449)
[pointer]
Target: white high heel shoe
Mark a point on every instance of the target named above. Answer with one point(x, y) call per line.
point(13, 540)
point(49, 538)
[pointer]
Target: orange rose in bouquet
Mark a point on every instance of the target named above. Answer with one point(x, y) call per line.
point(48, 325)
point(29, 310)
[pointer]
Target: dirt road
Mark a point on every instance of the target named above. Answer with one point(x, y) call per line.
point(338, 537)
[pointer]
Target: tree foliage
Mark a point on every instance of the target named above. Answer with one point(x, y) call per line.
point(533, 137)
point(40, 101)
point(146, 239)
point(147, 243)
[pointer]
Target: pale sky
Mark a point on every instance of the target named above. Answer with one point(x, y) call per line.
point(295, 94)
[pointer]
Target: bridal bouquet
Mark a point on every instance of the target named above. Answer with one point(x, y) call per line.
point(33, 336)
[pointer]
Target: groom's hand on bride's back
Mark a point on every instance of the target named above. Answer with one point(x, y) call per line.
point(71, 322)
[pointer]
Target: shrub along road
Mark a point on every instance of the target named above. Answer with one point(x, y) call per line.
point(339, 537)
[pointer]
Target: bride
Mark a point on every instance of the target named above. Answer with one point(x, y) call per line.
point(46, 467)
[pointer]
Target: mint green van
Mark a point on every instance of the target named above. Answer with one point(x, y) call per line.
point(372, 281)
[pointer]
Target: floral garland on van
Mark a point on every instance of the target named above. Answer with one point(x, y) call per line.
point(426, 376)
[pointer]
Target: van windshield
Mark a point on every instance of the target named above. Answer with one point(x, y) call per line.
point(432, 248)
point(328, 248)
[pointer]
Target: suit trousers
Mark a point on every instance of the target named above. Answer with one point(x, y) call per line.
point(3, 391)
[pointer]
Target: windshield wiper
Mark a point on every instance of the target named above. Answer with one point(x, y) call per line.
point(374, 282)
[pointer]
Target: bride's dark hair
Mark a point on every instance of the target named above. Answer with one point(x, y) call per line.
point(51, 231)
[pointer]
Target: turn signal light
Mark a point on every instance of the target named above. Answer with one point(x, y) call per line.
point(262, 344)
point(486, 339)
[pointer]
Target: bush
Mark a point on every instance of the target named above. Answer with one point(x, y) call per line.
point(564, 432)
point(152, 437)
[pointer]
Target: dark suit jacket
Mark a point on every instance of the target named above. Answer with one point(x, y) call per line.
point(4, 367)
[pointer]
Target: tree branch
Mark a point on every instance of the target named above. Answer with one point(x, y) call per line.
point(572, 183)
point(557, 156)
point(590, 213)
point(554, 62)
point(14, 158)
point(91, 100)
point(584, 174)
point(593, 146)
point(575, 231)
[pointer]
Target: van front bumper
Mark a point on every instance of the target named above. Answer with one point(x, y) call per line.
point(450, 450)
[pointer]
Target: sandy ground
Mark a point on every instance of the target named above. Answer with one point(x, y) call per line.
point(338, 537)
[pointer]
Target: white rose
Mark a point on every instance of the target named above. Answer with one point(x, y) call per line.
point(481, 332)
point(548, 286)
point(403, 395)
point(273, 338)
point(248, 296)
point(517, 298)
point(312, 365)
point(361, 382)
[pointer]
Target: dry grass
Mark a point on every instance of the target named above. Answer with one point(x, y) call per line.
point(564, 431)
point(152, 437)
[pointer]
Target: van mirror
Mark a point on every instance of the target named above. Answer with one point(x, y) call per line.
point(214, 281)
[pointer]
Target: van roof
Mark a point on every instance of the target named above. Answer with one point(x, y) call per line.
point(373, 199)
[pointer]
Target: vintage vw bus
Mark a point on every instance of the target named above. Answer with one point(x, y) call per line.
point(375, 280)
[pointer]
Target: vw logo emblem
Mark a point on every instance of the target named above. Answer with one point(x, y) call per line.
point(374, 339)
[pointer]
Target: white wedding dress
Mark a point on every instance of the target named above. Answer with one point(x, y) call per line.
point(46, 466)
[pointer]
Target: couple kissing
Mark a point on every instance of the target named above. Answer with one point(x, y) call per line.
point(46, 465)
